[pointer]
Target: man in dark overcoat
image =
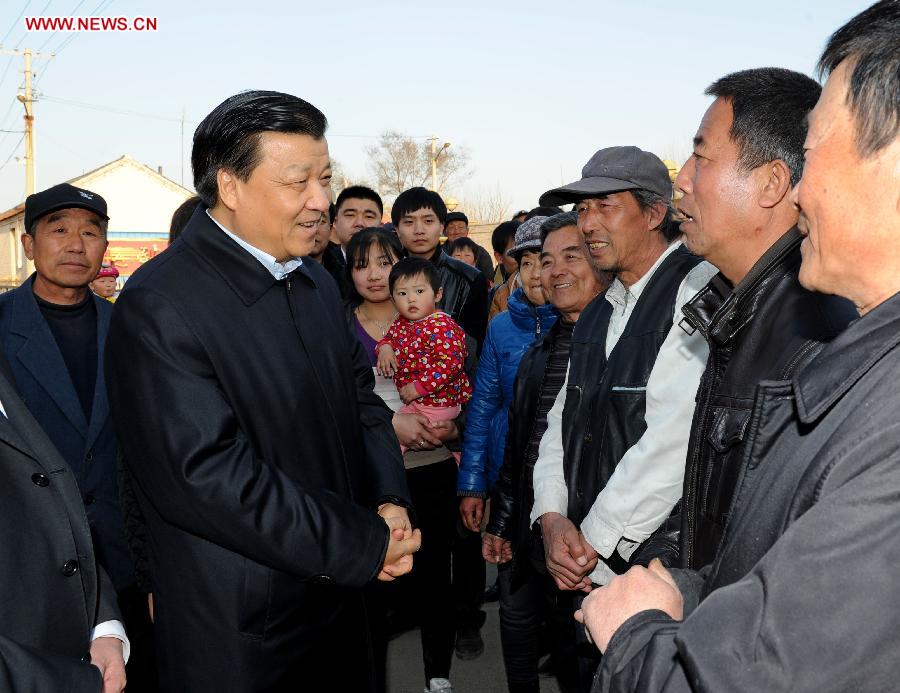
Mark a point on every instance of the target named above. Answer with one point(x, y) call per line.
point(59, 623)
point(267, 470)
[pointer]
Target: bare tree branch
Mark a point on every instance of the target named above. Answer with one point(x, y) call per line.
point(485, 206)
point(398, 162)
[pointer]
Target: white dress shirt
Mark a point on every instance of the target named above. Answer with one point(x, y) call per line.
point(107, 629)
point(647, 481)
point(279, 270)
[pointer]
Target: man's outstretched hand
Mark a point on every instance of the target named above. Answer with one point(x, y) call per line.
point(640, 589)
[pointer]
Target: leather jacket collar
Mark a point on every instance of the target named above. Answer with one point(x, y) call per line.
point(720, 311)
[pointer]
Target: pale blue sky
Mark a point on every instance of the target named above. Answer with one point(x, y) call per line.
point(531, 88)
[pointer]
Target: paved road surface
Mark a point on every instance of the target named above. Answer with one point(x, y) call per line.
point(482, 675)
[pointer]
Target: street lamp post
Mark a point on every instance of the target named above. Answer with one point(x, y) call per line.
point(435, 153)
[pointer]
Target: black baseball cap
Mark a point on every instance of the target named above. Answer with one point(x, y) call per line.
point(612, 170)
point(456, 216)
point(62, 196)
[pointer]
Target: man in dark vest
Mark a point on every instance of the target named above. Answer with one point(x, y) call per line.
point(609, 476)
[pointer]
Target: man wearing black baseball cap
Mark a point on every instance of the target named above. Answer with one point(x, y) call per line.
point(52, 332)
point(632, 376)
point(457, 226)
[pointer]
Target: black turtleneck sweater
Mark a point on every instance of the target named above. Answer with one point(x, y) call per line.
point(74, 328)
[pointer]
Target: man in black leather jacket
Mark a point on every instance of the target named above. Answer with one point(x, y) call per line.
point(760, 323)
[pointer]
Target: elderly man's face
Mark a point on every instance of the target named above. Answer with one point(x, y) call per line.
point(567, 275)
point(67, 248)
point(456, 229)
point(850, 206)
point(278, 208)
point(618, 232)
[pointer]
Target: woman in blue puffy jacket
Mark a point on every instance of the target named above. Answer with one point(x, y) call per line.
point(509, 336)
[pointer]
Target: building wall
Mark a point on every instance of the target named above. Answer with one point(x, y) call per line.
point(140, 206)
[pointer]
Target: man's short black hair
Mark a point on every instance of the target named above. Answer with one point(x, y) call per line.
point(770, 105)
point(870, 41)
point(332, 213)
point(181, 216)
point(501, 235)
point(557, 222)
point(461, 243)
point(228, 138)
point(410, 267)
point(543, 212)
point(359, 192)
point(413, 200)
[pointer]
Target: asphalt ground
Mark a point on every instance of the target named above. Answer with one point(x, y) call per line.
point(482, 675)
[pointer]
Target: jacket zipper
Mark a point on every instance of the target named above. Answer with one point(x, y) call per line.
point(691, 495)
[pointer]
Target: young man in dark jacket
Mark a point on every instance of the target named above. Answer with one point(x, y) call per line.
point(800, 595)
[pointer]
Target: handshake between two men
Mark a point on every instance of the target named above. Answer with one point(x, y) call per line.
point(404, 541)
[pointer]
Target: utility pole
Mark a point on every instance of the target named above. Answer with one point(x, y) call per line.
point(27, 100)
point(434, 140)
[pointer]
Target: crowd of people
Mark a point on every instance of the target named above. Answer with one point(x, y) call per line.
point(302, 428)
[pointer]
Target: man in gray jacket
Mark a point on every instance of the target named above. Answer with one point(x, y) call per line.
point(799, 596)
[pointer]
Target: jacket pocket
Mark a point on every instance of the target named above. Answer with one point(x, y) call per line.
point(725, 440)
point(255, 599)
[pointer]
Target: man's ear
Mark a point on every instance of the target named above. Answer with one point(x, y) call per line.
point(28, 245)
point(655, 215)
point(439, 295)
point(776, 184)
point(227, 184)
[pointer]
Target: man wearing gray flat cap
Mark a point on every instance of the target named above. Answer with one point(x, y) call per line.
point(611, 463)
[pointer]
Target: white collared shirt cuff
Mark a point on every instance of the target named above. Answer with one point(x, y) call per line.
point(113, 629)
point(602, 536)
point(550, 497)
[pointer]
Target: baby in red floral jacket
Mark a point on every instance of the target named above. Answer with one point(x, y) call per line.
point(424, 349)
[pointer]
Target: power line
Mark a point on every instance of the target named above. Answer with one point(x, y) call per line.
point(50, 38)
point(110, 109)
point(15, 23)
point(12, 153)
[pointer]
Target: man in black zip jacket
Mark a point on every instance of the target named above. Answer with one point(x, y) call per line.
point(759, 322)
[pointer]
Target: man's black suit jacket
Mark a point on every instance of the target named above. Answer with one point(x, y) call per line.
point(245, 412)
point(51, 591)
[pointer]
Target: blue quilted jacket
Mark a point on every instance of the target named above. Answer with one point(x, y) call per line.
point(509, 335)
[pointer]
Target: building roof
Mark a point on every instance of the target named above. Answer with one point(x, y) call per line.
point(84, 180)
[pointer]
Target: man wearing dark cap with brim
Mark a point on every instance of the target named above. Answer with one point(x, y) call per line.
point(611, 462)
point(457, 226)
point(52, 332)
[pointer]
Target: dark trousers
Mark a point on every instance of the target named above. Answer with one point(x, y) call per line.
point(468, 578)
point(587, 653)
point(141, 667)
point(433, 492)
point(535, 603)
point(425, 596)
